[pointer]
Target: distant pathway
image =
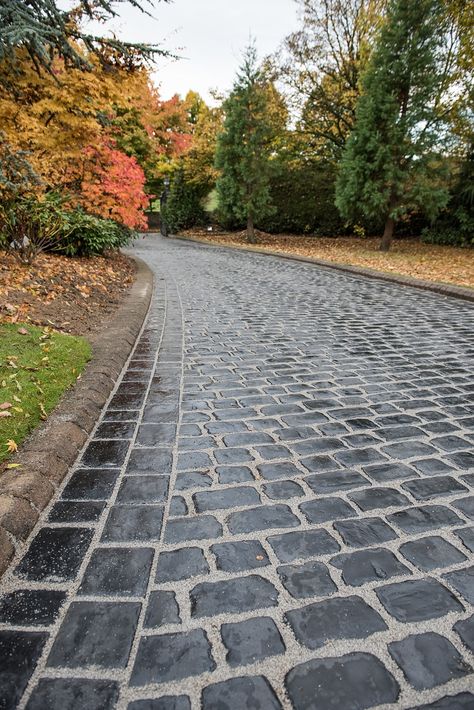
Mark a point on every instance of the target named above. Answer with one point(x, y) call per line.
point(276, 509)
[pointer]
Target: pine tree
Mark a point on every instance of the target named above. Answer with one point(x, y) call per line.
point(391, 163)
point(43, 29)
point(243, 147)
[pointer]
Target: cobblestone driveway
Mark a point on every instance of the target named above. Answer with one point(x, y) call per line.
point(276, 509)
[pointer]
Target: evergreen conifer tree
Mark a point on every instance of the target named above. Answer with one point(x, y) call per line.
point(243, 147)
point(390, 165)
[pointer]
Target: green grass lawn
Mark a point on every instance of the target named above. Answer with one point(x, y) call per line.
point(35, 369)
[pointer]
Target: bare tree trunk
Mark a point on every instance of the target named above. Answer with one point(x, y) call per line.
point(387, 234)
point(251, 238)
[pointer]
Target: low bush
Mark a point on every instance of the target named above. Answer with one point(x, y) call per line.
point(30, 225)
point(184, 207)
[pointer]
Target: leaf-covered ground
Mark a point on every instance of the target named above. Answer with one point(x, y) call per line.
point(36, 366)
point(71, 295)
point(409, 257)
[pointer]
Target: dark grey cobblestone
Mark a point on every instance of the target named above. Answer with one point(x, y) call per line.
point(286, 458)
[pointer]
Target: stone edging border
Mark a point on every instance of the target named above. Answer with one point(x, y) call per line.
point(48, 453)
point(461, 292)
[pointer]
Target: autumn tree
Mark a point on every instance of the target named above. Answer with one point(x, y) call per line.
point(244, 147)
point(391, 163)
point(321, 64)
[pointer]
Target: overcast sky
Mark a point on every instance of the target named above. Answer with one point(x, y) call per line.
point(210, 36)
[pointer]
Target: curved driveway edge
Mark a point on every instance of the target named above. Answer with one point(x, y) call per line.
point(466, 294)
point(49, 452)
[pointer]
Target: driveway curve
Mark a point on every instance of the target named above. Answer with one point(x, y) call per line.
point(275, 509)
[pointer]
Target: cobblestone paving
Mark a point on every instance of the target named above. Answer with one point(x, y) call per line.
point(275, 511)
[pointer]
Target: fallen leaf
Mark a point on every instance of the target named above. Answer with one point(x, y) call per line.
point(12, 446)
point(259, 557)
point(13, 465)
point(22, 331)
point(5, 405)
point(5, 414)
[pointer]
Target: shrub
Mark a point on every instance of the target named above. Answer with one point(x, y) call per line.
point(29, 226)
point(184, 206)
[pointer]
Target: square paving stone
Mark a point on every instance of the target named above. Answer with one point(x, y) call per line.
point(359, 457)
point(91, 484)
point(156, 434)
point(461, 701)
point(192, 479)
point(428, 488)
point(234, 474)
point(331, 619)
point(233, 456)
point(265, 517)
point(80, 511)
point(272, 451)
point(301, 545)
point(162, 609)
point(282, 490)
point(95, 634)
point(466, 535)
point(249, 692)
point(115, 430)
point(118, 572)
point(465, 505)
point(276, 471)
point(465, 629)
point(181, 564)
point(20, 652)
point(31, 607)
point(368, 566)
point(381, 473)
point(317, 446)
point(133, 523)
point(354, 681)
point(431, 552)
point(251, 640)
point(171, 657)
point(240, 556)
point(395, 433)
point(115, 415)
point(150, 461)
point(161, 413)
point(195, 443)
point(236, 596)
point(463, 581)
point(105, 453)
point(373, 498)
point(431, 466)
point(463, 459)
point(428, 660)
point(423, 518)
point(55, 554)
point(178, 506)
point(335, 481)
point(366, 532)
point(68, 693)
point(191, 460)
point(319, 464)
point(408, 449)
point(166, 702)
point(225, 498)
point(310, 579)
point(451, 443)
point(323, 509)
point(417, 600)
point(143, 489)
point(200, 527)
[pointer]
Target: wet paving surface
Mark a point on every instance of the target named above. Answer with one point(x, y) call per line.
point(276, 509)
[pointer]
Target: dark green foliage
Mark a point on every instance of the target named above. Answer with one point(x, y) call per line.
point(455, 225)
point(303, 194)
point(29, 226)
point(184, 208)
point(390, 167)
point(243, 148)
point(43, 29)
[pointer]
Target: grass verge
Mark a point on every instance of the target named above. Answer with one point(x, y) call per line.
point(37, 365)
